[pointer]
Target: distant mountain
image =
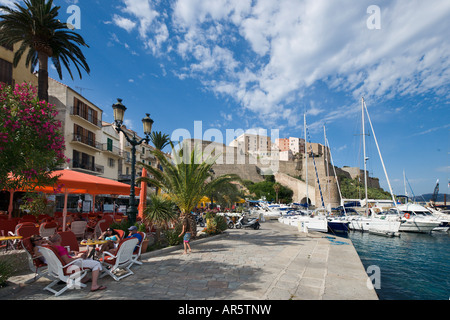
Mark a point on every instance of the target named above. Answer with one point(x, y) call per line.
point(427, 197)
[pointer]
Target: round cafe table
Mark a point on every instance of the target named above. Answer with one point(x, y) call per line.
point(8, 240)
point(92, 243)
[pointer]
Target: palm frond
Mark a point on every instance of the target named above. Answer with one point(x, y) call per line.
point(187, 178)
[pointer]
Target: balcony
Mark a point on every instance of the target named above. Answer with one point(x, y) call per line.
point(74, 111)
point(114, 150)
point(87, 167)
point(86, 140)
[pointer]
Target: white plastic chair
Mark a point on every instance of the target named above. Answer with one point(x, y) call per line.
point(123, 259)
point(97, 230)
point(35, 264)
point(70, 273)
point(78, 228)
point(137, 252)
point(46, 231)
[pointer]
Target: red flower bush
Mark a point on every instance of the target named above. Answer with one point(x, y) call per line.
point(31, 141)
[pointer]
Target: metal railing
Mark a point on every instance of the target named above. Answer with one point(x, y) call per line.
point(86, 140)
point(113, 149)
point(94, 120)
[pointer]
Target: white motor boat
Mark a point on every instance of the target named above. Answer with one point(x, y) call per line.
point(304, 220)
point(417, 218)
point(443, 216)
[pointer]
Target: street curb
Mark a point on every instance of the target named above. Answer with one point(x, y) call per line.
point(180, 246)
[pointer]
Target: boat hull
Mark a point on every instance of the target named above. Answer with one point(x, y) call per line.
point(338, 226)
point(419, 226)
point(306, 223)
point(384, 227)
point(359, 224)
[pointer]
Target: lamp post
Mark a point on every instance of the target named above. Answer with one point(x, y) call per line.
point(119, 111)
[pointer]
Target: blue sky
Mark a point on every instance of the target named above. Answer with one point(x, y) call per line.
point(242, 64)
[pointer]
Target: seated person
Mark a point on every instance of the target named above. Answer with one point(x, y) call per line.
point(37, 242)
point(113, 239)
point(95, 266)
point(133, 234)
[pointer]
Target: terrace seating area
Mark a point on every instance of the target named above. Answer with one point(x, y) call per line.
point(79, 234)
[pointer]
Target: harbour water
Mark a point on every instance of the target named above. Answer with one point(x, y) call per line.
point(411, 267)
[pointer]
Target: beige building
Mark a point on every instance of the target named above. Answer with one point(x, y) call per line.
point(282, 144)
point(290, 146)
point(111, 158)
point(142, 155)
point(11, 75)
point(92, 145)
point(82, 128)
point(253, 144)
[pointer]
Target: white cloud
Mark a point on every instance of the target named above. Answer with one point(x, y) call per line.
point(124, 23)
point(143, 11)
point(267, 55)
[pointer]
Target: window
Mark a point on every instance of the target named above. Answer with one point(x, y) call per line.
point(83, 161)
point(111, 162)
point(109, 144)
point(83, 135)
point(6, 72)
point(83, 110)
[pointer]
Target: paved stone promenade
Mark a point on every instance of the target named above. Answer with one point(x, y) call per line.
point(273, 263)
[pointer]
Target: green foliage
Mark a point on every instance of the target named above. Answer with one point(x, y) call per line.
point(172, 235)
point(122, 225)
point(266, 188)
point(225, 195)
point(31, 141)
point(221, 223)
point(353, 189)
point(6, 271)
point(159, 212)
point(215, 224)
point(35, 202)
point(125, 224)
point(186, 179)
point(159, 140)
point(41, 35)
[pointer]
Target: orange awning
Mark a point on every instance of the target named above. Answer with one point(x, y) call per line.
point(70, 181)
point(78, 182)
point(74, 182)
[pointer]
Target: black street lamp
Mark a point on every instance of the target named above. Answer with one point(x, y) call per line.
point(119, 111)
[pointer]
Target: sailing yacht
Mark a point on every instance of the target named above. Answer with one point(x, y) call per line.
point(378, 224)
point(307, 219)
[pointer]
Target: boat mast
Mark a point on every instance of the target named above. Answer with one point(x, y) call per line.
point(365, 158)
point(381, 158)
point(404, 182)
point(326, 163)
point(327, 143)
point(306, 162)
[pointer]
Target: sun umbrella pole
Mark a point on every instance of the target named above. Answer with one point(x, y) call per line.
point(11, 205)
point(66, 195)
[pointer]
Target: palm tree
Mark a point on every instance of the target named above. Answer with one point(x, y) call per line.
point(37, 28)
point(159, 141)
point(159, 212)
point(276, 187)
point(185, 180)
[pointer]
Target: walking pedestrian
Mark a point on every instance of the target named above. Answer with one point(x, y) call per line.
point(187, 235)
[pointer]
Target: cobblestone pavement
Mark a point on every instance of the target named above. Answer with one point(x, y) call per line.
point(273, 263)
